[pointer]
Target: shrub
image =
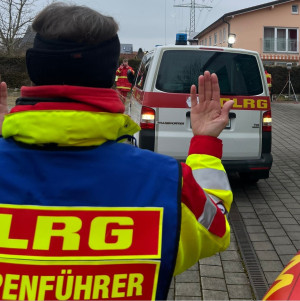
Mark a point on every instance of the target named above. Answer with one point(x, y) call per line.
point(280, 77)
point(13, 71)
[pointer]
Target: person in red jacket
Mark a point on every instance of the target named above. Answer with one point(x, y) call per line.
point(72, 227)
point(269, 82)
point(122, 83)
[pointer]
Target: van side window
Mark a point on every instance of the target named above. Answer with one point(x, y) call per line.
point(238, 73)
point(142, 73)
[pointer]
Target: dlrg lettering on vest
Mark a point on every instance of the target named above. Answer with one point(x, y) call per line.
point(63, 253)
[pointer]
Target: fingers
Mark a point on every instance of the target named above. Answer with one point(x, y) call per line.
point(3, 103)
point(3, 98)
point(227, 107)
point(201, 88)
point(215, 88)
point(3, 92)
point(208, 87)
point(193, 96)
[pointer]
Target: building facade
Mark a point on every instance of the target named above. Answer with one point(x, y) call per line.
point(271, 29)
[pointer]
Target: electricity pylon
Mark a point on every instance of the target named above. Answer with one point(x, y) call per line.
point(193, 5)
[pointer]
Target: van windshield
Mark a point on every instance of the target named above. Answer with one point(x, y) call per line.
point(238, 74)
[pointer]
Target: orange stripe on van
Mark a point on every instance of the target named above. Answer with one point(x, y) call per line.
point(178, 100)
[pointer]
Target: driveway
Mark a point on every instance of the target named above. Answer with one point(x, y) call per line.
point(265, 221)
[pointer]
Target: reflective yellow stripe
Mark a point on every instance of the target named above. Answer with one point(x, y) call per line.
point(204, 161)
point(205, 168)
point(121, 87)
point(76, 128)
point(225, 195)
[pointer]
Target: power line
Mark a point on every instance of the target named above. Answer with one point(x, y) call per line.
point(193, 5)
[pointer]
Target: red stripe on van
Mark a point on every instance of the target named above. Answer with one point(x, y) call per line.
point(178, 100)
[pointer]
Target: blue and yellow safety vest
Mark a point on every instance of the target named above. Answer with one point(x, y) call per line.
point(90, 203)
point(73, 228)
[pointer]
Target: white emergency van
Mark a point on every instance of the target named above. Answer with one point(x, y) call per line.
point(160, 103)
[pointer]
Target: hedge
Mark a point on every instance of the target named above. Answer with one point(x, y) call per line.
point(280, 76)
point(13, 72)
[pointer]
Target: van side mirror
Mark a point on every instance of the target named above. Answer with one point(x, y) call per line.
point(130, 76)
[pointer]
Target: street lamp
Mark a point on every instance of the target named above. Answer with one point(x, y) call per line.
point(231, 39)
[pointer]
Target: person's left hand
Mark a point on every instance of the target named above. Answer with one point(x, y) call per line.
point(3, 103)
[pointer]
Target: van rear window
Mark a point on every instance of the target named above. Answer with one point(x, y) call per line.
point(238, 73)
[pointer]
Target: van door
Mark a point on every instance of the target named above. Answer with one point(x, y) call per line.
point(239, 78)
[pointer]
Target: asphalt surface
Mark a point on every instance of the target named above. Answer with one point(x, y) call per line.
point(265, 225)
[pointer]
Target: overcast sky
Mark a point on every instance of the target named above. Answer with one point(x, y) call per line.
point(146, 23)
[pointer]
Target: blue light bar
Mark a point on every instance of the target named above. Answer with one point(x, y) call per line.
point(181, 39)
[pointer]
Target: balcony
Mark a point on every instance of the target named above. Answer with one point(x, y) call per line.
point(281, 45)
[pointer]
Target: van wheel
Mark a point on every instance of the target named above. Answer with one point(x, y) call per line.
point(248, 177)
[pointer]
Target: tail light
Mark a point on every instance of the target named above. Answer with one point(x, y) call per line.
point(267, 121)
point(147, 118)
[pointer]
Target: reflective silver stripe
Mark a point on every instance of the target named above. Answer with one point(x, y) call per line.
point(218, 202)
point(208, 214)
point(210, 178)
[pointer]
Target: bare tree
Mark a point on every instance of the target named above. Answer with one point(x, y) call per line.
point(15, 17)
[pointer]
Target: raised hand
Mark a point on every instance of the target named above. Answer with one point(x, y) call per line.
point(3, 103)
point(207, 116)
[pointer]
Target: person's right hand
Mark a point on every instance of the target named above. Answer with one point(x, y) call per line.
point(3, 103)
point(207, 116)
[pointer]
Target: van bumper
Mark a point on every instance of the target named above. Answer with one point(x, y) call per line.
point(146, 139)
point(259, 168)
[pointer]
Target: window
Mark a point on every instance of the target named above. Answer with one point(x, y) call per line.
point(280, 39)
point(224, 35)
point(215, 38)
point(221, 37)
point(295, 9)
point(143, 70)
point(209, 41)
point(238, 74)
point(205, 42)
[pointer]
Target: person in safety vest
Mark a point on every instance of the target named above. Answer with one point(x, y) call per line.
point(71, 227)
point(122, 83)
point(269, 82)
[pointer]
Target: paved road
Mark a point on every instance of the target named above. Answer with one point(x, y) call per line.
point(268, 212)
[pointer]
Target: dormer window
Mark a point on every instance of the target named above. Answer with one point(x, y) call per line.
point(295, 9)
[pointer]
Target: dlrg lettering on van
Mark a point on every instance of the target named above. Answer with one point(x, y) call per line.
point(160, 103)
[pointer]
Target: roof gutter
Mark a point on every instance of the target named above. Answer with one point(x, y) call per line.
point(242, 11)
point(228, 26)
